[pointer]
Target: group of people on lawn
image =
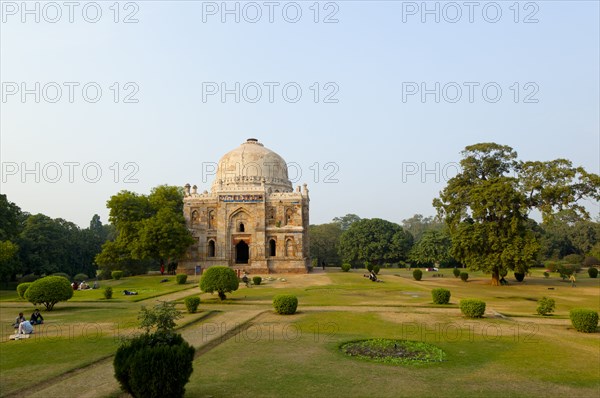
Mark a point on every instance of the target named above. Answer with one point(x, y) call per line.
point(25, 326)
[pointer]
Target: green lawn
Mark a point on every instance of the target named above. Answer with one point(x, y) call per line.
point(511, 352)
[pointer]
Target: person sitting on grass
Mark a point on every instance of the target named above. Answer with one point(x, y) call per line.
point(129, 293)
point(36, 318)
point(25, 327)
point(18, 320)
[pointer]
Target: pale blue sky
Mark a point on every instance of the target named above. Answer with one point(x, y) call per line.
point(370, 134)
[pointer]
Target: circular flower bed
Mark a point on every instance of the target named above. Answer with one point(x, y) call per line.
point(395, 352)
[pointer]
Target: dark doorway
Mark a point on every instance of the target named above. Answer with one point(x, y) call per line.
point(242, 253)
point(272, 247)
point(211, 248)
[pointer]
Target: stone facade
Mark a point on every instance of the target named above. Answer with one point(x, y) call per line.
point(252, 218)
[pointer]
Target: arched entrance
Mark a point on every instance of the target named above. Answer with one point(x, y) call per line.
point(242, 253)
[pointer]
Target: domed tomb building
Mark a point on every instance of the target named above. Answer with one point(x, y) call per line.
point(252, 218)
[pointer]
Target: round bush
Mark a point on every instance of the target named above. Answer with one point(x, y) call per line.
point(417, 274)
point(49, 291)
point(257, 280)
point(116, 275)
point(369, 267)
point(440, 296)
point(464, 276)
point(22, 288)
point(192, 303)
point(593, 272)
point(108, 292)
point(346, 267)
point(376, 269)
point(472, 308)
point(285, 304)
point(29, 278)
point(503, 272)
point(219, 279)
point(584, 320)
point(546, 306)
point(63, 275)
point(546, 275)
point(519, 276)
point(138, 362)
point(181, 279)
point(456, 272)
point(80, 277)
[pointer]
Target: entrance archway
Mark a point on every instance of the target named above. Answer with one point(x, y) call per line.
point(242, 253)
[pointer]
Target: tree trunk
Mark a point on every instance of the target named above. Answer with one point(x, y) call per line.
point(495, 278)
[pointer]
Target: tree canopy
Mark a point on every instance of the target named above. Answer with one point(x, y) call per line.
point(487, 205)
point(432, 248)
point(325, 242)
point(148, 227)
point(375, 241)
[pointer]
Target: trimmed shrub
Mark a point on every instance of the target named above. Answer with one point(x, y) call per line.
point(519, 276)
point(456, 272)
point(503, 272)
point(546, 275)
point(573, 259)
point(567, 270)
point(219, 279)
point(551, 266)
point(593, 272)
point(285, 304)
point(440, 296)
point(80, 277)
point(49, 291)
point(369, 267)
point(108, 292)
point(346, 267)
point(29, 278)
point(181, 279)
point(472, 308)
point(546, 306)
point(192, 303)
point(464, 276)
point(138, 362)
point(256, 280)
point(116, 275)
point(417, 274)
point(22, 288)
point(63, 275)
point(584, 320)
point(376, 269)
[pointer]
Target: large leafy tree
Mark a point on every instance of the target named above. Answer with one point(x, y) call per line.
point(325, 242)
point(432, 248)
point(346, 221)
point(10, 227)
point(486, 206)
point(148, 228)
point(375, 241)
point(55, 245)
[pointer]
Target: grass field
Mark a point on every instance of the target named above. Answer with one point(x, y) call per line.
point(512, 351)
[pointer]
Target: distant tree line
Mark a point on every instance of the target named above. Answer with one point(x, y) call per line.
point(145, 231)
point(40, 245)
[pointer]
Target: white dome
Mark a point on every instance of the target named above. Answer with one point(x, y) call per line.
point(249, 166)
